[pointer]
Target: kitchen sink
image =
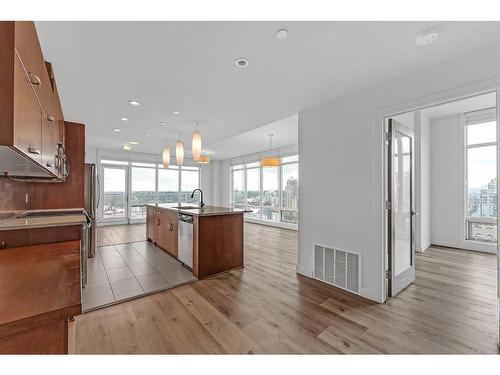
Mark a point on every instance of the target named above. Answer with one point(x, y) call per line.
point(188, 208)
point(50, 213)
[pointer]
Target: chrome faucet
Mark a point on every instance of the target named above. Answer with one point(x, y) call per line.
point(201, 196)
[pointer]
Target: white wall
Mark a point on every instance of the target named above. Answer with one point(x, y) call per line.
point(423, 206)
point(445, 181)
point(342, 165)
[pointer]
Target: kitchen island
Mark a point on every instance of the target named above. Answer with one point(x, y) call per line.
point(207, 239)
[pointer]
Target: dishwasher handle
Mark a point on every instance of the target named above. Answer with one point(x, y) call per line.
point(188, 219)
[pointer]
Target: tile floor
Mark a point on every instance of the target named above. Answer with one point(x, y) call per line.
point(120, 272)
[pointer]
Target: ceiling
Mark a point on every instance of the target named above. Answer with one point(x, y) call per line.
point(189, 66)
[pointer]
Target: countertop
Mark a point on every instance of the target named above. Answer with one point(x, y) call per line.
point(15, 222)
point(205, 211)
point(39, 282)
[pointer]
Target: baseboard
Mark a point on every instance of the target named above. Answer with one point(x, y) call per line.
point(304, 272)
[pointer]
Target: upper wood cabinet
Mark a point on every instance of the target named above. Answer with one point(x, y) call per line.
point(31, 119)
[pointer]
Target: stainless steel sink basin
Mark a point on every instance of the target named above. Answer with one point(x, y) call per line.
point(50, 213)
point(189, 208)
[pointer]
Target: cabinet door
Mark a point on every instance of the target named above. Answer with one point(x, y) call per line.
point(160, 232)
point(27, 115)
point(59, 117)
point(166, 233)
point(173, 237)
point(30, 52)
point(149, 222)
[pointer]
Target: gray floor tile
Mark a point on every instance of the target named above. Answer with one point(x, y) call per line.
point(98, 295)
point(134, 259)
point(106, 249)
point(141, 269)
point(126, 288)
point(114, 263)
point(97, 278)
point(152, 282)
point(116, 274)
point(163, 265)
point(95, 264)
point(177, 276)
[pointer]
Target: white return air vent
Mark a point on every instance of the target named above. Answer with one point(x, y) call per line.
point(337, 267)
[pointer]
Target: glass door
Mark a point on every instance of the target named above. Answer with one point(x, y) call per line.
point(114, 193)
point(400, 208)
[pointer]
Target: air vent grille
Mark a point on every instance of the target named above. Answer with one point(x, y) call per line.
point(337, 267)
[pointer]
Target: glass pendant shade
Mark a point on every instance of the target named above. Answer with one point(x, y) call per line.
point(166, 156)
point(270, 162)
point(196, 146)
point(203, 159)
point(179, 152)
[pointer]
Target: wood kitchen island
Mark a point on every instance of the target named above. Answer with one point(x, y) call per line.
point(217, 235)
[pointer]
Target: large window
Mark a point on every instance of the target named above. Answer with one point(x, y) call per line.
point(270, 193)
point(481, 176)
point(142, 188)
point(129, 186)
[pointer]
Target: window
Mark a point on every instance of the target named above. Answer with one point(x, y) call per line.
point(143, 189)
point(129, 186)
point(190, 180)
point(168, 185)
point(114, 187)
point(270, 193)
point(481, 178)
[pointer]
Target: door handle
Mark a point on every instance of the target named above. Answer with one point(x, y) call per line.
point(413, 213)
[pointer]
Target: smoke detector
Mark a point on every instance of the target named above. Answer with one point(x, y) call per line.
point(427, 36)
point(241, 62)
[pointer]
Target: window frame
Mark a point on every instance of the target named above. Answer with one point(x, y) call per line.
point(469, 221)
point(128, 165)
point(251, 165)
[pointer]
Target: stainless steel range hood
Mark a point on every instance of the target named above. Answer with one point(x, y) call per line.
point(14, 164)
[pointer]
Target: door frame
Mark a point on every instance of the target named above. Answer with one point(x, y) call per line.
point(409, 274)
point(381, 114)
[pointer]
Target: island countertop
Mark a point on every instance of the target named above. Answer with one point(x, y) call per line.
point(196, 210)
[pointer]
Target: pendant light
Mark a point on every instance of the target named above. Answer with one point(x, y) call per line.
point(270, 161)
point(166, 155)
point(203, 159)
point(196, 145)
point(179, 151)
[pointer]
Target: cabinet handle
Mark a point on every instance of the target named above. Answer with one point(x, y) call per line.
point(50, 118)
point(50, 164)
point(34, 79)
point(171, 227)
point(33, 150)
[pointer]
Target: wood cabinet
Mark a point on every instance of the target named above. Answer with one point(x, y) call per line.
point(27, 126)
point(31, 123)
point(161, 228)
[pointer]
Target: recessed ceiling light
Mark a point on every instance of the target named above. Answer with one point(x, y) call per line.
point(127, 147)
point(162, 123)
point(123, 118)
point(282, 34)
point(241, 62)
point(149, 135)
point(133, 143)
point(427, 36)
point(134, 102)
point(176, 112)
point(116, 130)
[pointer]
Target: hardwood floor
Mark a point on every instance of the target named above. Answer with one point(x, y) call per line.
point(268, 308)
point(120, 234)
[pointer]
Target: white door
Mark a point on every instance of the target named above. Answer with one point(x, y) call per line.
point(400, 208)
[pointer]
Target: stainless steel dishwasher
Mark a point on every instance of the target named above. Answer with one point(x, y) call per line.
point(185, 243)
